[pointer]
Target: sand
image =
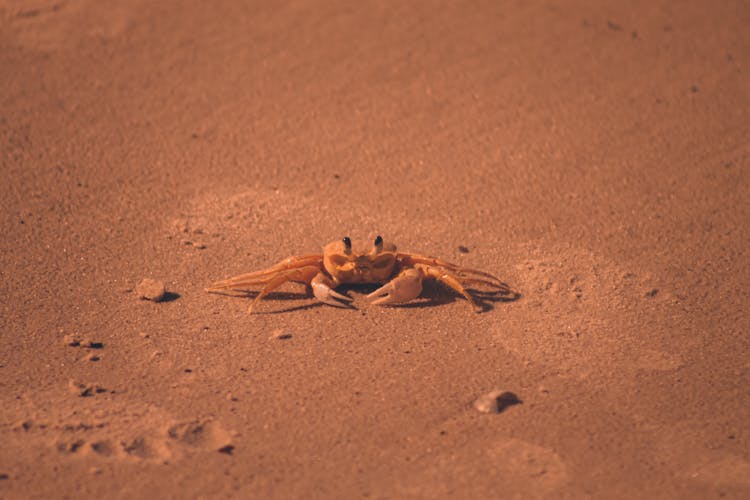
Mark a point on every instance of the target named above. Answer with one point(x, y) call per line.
point(594, 155)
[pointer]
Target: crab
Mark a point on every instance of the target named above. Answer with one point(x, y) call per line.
point(357, 262)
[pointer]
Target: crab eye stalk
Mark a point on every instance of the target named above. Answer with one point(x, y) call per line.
point(347, 244)
point(379, 241)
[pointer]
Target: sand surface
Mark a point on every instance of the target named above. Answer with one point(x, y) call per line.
point(594, 155)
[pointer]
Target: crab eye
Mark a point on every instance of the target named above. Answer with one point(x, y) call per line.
point(347, 244)
point(379, 241)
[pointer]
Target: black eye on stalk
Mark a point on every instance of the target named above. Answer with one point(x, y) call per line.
point(347, 243)
point(378, 241)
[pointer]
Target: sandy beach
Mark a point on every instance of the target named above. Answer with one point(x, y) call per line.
point(592, 155)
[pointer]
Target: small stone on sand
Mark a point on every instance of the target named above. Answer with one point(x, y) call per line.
point(180, 225)
point(496, 401)
point(84, 390)
point(280, 334)
point(76, 340)
point(150, 289)
point(72, 339)
point(23, 425)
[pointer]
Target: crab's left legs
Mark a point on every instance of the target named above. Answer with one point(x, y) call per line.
point(465, 274)
point(408, 285)
point(453, 282)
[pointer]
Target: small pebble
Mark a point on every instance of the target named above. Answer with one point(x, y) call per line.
point(228, 449)
point(199, 245)
point(84, 390)
point(180, 225)
point(75, 388)
point(230, 397)
point(75, 340)
point(72, 339)
point(280, 334)
point(150, 289)
point(23, 425)
point(95, 470)
point(143, 335)
point(93, 357)
point(496, 401)
point(68, 447)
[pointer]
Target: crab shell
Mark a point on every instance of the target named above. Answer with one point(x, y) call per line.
point(360, 262)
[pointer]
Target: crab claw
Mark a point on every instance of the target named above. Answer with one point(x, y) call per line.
point(403, 288)
point(322, 288)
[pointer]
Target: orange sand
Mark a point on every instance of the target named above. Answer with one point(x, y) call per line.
point(594, 155)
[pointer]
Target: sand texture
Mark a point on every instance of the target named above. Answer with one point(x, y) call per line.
point(593, 155)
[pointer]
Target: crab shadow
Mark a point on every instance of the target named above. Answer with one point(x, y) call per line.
point(277, 296)
point(433, 295)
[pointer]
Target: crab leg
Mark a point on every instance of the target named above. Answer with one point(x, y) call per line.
point(498, 287)
point(453, 282)
point(480, 277)
point(242, 282)
point(408, 285)
point(303, 274)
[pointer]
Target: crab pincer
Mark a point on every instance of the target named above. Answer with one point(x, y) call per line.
point(403, 288)
point(323, 290)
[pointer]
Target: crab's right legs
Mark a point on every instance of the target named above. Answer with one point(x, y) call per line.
point(245, 282)
point(322, 286)
point(301, 274)
point(323, 289)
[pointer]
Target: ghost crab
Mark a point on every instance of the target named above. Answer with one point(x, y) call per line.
point(356, 262)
